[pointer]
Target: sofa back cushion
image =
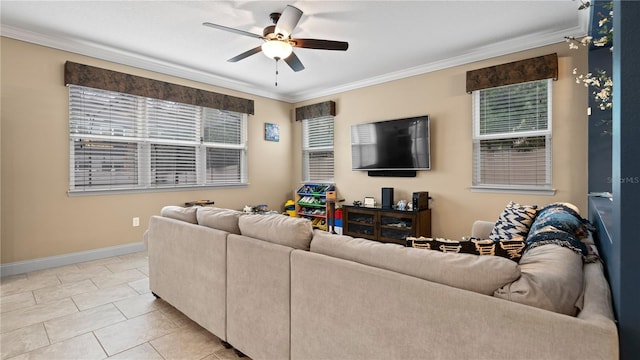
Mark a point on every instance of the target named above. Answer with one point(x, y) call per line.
point(552, 279)
point(218, 218)
point(278, 229)
point(482, 274)
point(187, 214)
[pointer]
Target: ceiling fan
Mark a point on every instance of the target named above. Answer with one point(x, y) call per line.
point(278, 43)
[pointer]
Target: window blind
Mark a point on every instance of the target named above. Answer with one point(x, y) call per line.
point(225, 136)
point(512, 136)
point(127, 142)
point(317, 149)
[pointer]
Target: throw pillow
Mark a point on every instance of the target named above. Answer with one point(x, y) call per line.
point(508, 248)
point(560, 224)
point(514, 222)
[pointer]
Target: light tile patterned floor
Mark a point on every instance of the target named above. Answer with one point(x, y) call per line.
point(100, 309)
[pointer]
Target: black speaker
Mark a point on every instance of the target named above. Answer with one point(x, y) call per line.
point(420, 200)
point(392, 173)
point(387, 198)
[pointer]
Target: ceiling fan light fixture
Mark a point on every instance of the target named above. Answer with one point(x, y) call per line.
point(276, 49)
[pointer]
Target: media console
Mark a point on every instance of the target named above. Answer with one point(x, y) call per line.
point(385, 225)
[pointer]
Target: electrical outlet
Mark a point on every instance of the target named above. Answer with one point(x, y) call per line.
point(136, 222)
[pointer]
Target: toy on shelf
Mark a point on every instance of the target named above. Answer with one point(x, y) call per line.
point(311, 203)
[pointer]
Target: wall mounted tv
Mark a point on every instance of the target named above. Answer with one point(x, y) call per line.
point(391, 148)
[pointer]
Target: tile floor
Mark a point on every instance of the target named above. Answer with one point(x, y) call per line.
point(100, 309)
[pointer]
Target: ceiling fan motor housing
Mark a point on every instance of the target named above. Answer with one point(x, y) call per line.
point(269, 33)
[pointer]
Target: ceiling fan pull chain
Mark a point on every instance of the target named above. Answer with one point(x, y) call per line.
point(277, 71)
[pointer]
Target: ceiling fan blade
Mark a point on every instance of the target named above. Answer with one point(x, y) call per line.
point(246, 54)
point(294, 63)
point(288, 20)
point(320, 44)
point(237, 31)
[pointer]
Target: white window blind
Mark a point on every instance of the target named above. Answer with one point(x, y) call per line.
point(225, 136)
point(126, 142)
point(317, 149)
point(512, 137)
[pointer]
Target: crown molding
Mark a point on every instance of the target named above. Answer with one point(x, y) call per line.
point(119, 56)
point(511, 46)
point(133, 59)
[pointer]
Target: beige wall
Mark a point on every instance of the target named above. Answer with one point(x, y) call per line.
point(39, 219)
point(442, 95)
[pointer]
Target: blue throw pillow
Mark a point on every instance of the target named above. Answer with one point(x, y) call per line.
point(514, 222)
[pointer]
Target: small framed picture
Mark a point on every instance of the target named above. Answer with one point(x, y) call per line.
point(369, 202)
point(271, 132)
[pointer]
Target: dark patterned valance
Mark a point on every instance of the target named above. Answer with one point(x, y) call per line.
point(97, 78)
point(543, 67)
point(316, 110)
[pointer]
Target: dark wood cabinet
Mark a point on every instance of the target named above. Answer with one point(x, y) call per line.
point(385, 225)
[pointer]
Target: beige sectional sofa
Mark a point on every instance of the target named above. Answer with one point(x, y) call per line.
point(274, 289)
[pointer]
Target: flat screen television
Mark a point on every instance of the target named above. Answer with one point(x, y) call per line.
point(400, 144)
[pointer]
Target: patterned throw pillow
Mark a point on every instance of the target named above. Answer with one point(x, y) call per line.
point(508, 248)
point(514, 222)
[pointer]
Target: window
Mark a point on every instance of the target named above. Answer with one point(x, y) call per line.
point(512, 137)
point(126, 142)
point(317, 149)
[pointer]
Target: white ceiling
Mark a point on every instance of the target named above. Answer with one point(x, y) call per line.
point(387, 39)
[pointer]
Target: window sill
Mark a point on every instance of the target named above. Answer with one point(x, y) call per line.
point(74, 193)
point(513, 190)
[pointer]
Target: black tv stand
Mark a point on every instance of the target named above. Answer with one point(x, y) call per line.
point(392, 173)
point(385, 225)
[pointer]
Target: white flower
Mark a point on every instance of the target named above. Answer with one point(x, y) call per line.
point(602, 83)
point(601, 41)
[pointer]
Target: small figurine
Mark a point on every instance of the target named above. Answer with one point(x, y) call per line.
point(401, 205)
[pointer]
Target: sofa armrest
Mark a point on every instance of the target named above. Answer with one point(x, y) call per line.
point(481, 229)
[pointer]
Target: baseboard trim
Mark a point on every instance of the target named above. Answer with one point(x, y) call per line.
point(21, 267)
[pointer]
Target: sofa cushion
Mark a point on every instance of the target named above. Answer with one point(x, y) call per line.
point(551, 279)
point(221, 219)
point(560, 224)
point(187, 214)
point(508, 248)
point(278, 229)
point(482, 274)
point(514, 221)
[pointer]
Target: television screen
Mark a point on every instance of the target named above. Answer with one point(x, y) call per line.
point(401, 144)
